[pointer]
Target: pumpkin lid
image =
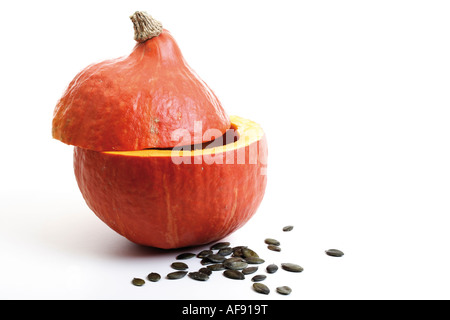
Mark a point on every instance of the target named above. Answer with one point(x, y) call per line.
point(149, 99)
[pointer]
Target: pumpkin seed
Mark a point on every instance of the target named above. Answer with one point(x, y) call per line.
point(154, 277)
point(234, 274)
point(138, 282)
point(273, 248)
point(249, 270)
point(246, 252)
point(216, 267)
point(235, 265)
point(292, 267)
point(261, 288)
point(205, 261)
point(179, 266)
point(284, 290)
point(233, 259)
point(272, 241)
point(259, 277)
point(176, 275)
point(272, 268)
point(217, 258)
point(220, 245)
point(225, 251)
point(237, 251)
point(288, 228)
point(334, 253)
point(200, 276)
point(254, 260)
point(204, 253)
point(206, 271)
point(185, 256)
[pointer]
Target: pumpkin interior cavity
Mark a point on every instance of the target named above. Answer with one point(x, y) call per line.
point(240, 134)
point(229, 137)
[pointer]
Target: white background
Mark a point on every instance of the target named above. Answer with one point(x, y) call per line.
point(354, 97)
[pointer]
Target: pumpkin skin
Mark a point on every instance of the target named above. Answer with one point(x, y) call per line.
point(149, 199)
point(137, 102)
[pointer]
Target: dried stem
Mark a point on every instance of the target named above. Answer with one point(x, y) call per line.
point(145, 27)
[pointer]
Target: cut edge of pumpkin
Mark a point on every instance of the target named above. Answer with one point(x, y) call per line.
point(248, 132)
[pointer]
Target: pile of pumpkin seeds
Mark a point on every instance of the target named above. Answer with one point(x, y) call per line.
point(234, 262)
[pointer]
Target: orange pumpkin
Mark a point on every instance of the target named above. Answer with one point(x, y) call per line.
point(137, 102)
point(145, 159)
point(172, 199)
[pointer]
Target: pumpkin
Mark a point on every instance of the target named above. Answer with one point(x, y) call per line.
point(156, 157)
point(138, 101)
point(177, 198)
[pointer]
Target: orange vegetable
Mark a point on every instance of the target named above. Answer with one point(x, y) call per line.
point(149, 154)
point(171, 199)
point(136, 102)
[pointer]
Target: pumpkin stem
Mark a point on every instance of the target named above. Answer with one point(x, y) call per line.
point(145, 27)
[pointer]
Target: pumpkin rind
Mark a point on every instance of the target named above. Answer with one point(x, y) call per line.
point(137, 102)
point(152, 201)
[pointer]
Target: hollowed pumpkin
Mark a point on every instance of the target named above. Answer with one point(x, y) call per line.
point(171, 199)
point(134, 169)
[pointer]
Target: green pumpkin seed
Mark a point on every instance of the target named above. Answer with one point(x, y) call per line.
point(246, 253)
point(216, 267)
point(237, 251)
point(234, 259)
point(220, 245)
point(288, 228)
point(217, 258)
point(334, 253)
point(272, 241)
point(153, 277)
point(138, 282)
point(254, 260)
point(273, 248)
point(179, 266)
point(185, 256)
point(272, 268)
point(291, 267)
point(284, 290)
point(176, 275)
point(234, 274)
point(204, 253)
point(205, 261)
point(225, 251)
point(235, 265)
point(249, 270)
point(261, 288)
point(206, 271)
point(259, 277)
point(199, 276)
